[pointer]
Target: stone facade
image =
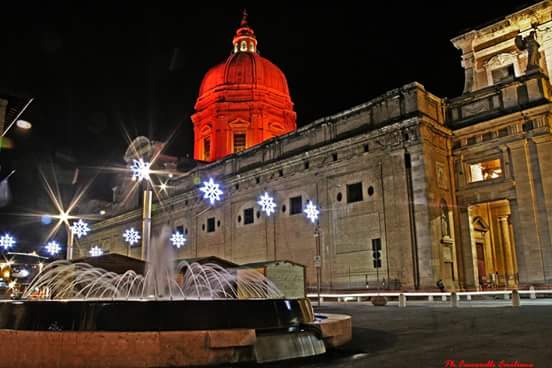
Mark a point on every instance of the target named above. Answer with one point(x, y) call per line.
point(408, 168)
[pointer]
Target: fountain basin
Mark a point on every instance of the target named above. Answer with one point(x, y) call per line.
point(159, 333)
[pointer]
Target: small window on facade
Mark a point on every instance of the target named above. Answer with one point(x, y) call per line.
point(280, 172)
point(295, 205)
point(243, 46)
point(248, 216)
point(284, 208)
point(210, 224)
point(180, 229)
point(334, 156)
point(487, 136)
point(306, 165)
point(239, 142)
point(370, 190)
point(237, 186)
point(527, 126)
point(257, 180)
point(339, 197)
point(503, 74)
point(206, 149)
point(472, 140)
point(503, 132)
point(366, 147)
point(486, 170)
point(354, 192)
point(186, 231)
point(252, 47)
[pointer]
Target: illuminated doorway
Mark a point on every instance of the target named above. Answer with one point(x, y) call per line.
point(493, 245)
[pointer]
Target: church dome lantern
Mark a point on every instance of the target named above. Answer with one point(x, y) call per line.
point(242, 102)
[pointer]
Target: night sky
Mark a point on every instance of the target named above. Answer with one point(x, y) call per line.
point(97, 68)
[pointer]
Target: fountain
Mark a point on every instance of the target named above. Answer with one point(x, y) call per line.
point(74, 314)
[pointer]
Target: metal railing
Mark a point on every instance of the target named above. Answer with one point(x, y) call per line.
point(453, 297)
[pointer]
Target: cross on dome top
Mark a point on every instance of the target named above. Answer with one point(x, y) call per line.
point(244, 40)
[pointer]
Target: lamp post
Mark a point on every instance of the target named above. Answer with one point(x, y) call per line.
point(318, 262)
point(140, 171)
point(312, 212)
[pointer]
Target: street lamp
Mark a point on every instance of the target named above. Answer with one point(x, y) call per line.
point(141, 170)
point(312, 212)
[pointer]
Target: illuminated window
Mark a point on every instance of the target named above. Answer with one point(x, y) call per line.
point(206, 149)
point(239, 142)
point(243, 46)
point(252, 47)
point(486, 170)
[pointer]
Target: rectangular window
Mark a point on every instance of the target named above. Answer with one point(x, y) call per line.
point(180, 229)
point(295, 205)
point(210, 224)
point(206, 149)
point(239, 142)
point(503, 74)
point(486, 170)
point(248, 216)
point(354, 192)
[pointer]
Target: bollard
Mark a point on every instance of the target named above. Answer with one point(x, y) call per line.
point(532, 294)
point(453, 299)
point(468, 297)
point(444, 298)
point(430, 298)
point(402, 300)
point(516, 300)
point(506, 296)
point(359, 299)
point(321, 299)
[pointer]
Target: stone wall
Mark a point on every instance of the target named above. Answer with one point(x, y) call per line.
point(366, 144)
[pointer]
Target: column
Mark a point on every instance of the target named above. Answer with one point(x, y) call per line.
point(508, 251)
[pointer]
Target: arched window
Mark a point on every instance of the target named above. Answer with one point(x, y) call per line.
point(445, 224)
point(243, 46)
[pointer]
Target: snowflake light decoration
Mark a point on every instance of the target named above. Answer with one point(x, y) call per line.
point(80, 228)
point(267, 204)
point(7, 241)
point(211, 191)
point(178, 239)
point(131, 236)
point(95, 251)
point(140, 170)
point(53, 248)
point(312, 212)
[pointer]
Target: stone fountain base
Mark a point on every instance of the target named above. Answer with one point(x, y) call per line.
point(73, 334)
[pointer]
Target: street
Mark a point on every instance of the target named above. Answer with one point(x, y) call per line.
point(436, 335)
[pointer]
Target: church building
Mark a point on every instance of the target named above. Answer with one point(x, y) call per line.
point(458, 190)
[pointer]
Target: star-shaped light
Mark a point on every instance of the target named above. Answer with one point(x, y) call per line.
point(178, 239)
point(80, 228)
point(7, 241)
point(211, 191)
point(131, 236)
point(140, 170)
point(95, 251)
point(312, 212)
point(53, 248)
point(267, 204)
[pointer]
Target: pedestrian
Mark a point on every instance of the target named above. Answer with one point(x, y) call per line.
point(441, 285)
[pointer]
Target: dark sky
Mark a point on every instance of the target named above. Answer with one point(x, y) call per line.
point(95, 67)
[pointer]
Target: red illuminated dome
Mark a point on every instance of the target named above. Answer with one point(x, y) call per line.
point(242, 102)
